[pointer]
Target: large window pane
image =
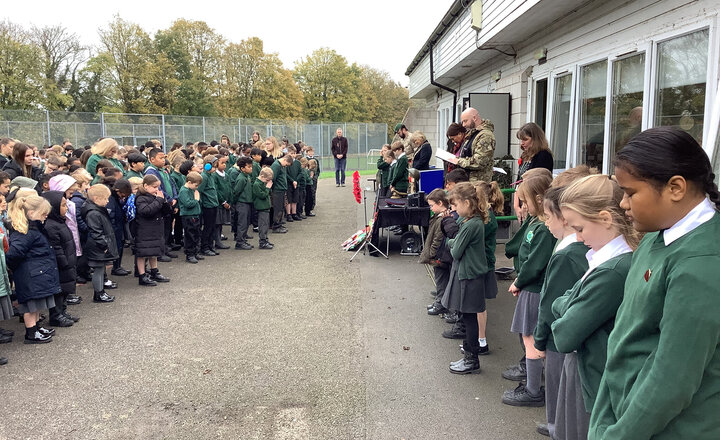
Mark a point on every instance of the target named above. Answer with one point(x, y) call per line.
point(628, 79)
point(593, 96)
point(681, 78)
point(541, 102)
point(561, 120)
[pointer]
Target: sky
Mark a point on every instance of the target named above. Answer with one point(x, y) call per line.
point(384, 34)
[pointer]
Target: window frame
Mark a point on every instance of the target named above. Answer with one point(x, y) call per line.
point(552, 79)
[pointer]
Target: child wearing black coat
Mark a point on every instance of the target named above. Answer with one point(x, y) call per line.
point(100, 246)
point(32, 262)
point(62, 242)
point(150, 209)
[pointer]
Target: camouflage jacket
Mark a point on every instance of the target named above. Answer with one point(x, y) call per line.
point(477, 159)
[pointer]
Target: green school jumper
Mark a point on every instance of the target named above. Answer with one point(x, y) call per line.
point(255, 170)
point(533, 256)
point(384, 170)
point(512, 247)
point(187, 203)
point(132, 173)
point(208, 191)
point(399, 177)
point(223, 188)
point(178, 178)
point(565, 268)
point(242, 192)
point(585, 317)
point(662, 378)
point(261, 195)
point(279, 177)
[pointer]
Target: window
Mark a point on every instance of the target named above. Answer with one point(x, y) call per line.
point(681, 82)
point(561, 120)
point(541, 102)
point(593, 96)
point(628, 79)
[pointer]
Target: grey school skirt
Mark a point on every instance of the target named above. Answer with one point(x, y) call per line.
point(465, 296)
point(526, 313)
point(571, 420)
point(223, 217)
point(37, 305)
point(6, 308)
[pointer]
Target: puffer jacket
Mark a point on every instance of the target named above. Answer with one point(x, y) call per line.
point(100, 244)
point(32, 261)
point(62, 241)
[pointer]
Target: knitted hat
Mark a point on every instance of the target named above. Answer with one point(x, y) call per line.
point(61, 183)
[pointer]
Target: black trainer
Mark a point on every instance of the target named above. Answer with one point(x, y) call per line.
point(266, 245)
point(515, 373)
point(521, 396)
point(243, 246)
point(466, 365)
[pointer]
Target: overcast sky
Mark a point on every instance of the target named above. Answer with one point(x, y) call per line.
point(385, 34)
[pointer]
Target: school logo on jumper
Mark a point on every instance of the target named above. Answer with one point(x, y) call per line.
point(648, 273)
point(529, 236)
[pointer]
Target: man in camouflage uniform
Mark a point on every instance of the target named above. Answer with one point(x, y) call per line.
point(478, 150)
point(403, 135)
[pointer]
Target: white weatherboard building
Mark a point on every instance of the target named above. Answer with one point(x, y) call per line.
point(591, 73)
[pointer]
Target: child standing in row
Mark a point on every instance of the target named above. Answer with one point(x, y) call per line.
point(466, 289)
point(533, 256)
point(279, 188)
point(190, 211)
point(150, 209)
point(661, 378)
point(223, 209)
point(243, 198)
point(100, 247)
point(209, 205)
point(585, 314)
point(261, 202)
point(443, 226)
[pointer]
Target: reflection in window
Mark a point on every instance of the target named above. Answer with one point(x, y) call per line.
point(592, 113)
point(561, 120)
point(681, 82)
point(627, 100)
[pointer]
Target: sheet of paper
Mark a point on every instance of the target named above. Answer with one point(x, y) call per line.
point(444, 155)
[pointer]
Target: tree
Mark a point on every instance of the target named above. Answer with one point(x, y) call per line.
point(392, 100)
point(128, 47)
point(62, 57)
point(94, 90)
point(20, 70)
point(326, 81)
point(254, 84)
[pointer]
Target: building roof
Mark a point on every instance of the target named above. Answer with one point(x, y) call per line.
point(450, 16)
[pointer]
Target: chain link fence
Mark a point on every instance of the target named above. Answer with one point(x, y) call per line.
point(41, 127)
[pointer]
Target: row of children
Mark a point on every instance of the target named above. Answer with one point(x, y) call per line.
point(616, 286)
point(91, 222)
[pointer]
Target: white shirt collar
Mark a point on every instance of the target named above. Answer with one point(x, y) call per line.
point(616, 246)
point(565, 242)
point(401, 155)
point(700, 214)
point(393, 162)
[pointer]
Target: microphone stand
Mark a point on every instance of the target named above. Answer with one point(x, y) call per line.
point(367, 241)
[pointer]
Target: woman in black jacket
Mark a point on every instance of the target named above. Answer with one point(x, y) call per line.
point(21, 163)
point(423, 151)
point(33, 264)
point(61, 240)
point(150, 208)
point(99, 247)
point(535, 154)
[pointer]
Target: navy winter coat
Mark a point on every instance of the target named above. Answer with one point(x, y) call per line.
point(33, 263)
point(149, 225)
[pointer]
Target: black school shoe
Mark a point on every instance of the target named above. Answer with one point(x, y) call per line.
point(120, 271)
point(210, 253)
point(4, 332)
point(144, 280)
point(436, 309)
point(5, 339)
point(452, 317)
point(71, 317)
point(33, 335)
point(280, 230)
point(155, 275)
point(521, 396)
point(542, 429)
point(199, 257)
point(3, 361)
point(103, 297)
point(164, 259)
point(221, 246)
point(46, 331)
point(515, 373)
point(61, 321)
point(266, 245)
point(191, 259)
point(72, 300)
point(110, 284)
point(457, 332)
point(243, 246)
point(466, 365)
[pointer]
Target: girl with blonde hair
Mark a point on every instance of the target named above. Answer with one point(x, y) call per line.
point(108, 149)
point(32, 262)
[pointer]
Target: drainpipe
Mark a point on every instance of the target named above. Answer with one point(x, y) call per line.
point(437, 84)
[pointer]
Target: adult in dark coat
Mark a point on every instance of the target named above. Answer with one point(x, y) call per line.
point(339, 148)
point(100, 246)
point(35, 272)
point(423, 151)
point(61, 240)
point(150, 208)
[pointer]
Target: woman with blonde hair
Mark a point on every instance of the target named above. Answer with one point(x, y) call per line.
point(423, 151)
point(273, 148)
point(106, 148)
point(33, 262)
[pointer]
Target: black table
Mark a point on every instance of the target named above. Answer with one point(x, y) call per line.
point(402, 216)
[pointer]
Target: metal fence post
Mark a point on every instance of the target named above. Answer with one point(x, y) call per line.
point(163, 132)
point(204, 129)
point(47, 118)
point(102, 124)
